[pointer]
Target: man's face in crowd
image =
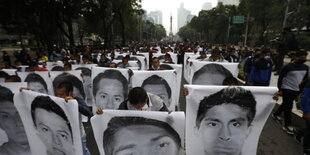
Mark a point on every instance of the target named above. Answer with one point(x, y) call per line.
point(110, 94)
point(159, 90)
point(54, 133)
point(11, 123)
point(61, 92)
point(37, 87)
point(209, 78)
point(155, 63)
point(224, 129)
point(136, 139)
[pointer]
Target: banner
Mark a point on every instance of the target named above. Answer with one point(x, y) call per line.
point(51, 123)
point(110, 87)
point(139, 132)
point(211, 73)
point(226, 120)
point(160, 83)
point(13, 139)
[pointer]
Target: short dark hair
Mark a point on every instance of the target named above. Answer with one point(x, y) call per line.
point(57, 68)
point(46, 103)
point(166, 67)
point(34, 77)
point(66, 77)
point(300, 53)
point(230, 95)
point(14, 78)
point(3, 74)
point(110, 74)
point(212, 67)
point(137, 95)
point(6, 94)
point(85, 71)
point(157, 80)
point(117, 123)
point(230, 80)
point(67, 85)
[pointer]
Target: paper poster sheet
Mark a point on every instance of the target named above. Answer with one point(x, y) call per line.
point(160, 83)
point(37, 81)
point(226, 120)
point(110, 87)
point(51, 123)
point(13, 139)
point(211, 73)
point(139, 132)
point(73, 77)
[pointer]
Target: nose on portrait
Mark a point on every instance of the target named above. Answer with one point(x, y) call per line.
point(225, 134)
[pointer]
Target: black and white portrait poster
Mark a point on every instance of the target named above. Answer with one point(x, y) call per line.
point(52, 66)
point(160, 83)
point(174, 56)
point(141, 61)
point(74, 77)
point(210, 73)
point(147, 56)
point(139, 132)
point(87, 81)
point(51, 123)
point(178, 68)
point(226, 120)
point(110, 87)
point(37, 81)
point(13, 139)
point(188, 57)
point(10, 71)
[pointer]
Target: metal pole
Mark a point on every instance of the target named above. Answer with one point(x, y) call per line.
point(286, 14)
point(246, 29)
point(228, 29)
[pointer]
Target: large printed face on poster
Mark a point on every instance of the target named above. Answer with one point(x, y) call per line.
point(87, 82)
point(226, 120)
point(51, 123)
point(160, 83)
point(14, 139)
point(110, 87)
point(36, 81)
point(139, 132)
point(206, 73)
point(73, 77)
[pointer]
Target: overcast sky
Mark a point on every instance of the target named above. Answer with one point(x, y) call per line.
point(169, 7)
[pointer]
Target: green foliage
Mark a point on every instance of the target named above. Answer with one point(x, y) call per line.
point(265, 21)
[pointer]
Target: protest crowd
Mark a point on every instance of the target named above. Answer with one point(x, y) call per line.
point(150, 77)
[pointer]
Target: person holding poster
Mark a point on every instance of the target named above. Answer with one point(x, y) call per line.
point(110, 89)
point(11, 123)
point(52, 125)
point(139, 99)
point(158, 86)
point(128, 135)
point(224, 120)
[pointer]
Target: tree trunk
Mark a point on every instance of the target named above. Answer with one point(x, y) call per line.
point(71, 35)
point(122, 28)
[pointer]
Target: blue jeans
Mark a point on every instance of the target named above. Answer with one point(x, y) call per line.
point(84, 145)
